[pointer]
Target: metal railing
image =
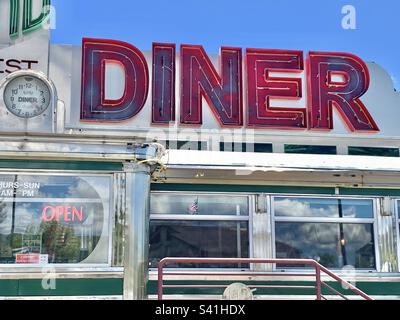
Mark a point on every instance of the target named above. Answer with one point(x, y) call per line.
point(318, 271)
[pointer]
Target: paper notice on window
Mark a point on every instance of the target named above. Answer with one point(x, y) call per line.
point(31, 258)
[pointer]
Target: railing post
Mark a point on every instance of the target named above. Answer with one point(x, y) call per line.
point(318, 281)
point(160, 271)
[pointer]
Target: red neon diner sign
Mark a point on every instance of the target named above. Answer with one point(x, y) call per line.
point(226, 89)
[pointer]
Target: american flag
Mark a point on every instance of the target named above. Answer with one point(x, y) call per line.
point(194, 207)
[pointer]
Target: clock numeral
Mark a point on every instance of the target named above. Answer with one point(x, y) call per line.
point(15, 92)
point(12, 99)
point(21, 87)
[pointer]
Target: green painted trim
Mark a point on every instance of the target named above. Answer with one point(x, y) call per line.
point(29, 23)
point(152, 288)
point(61, 165)
point(14, 18)
point(111, 287)
point(8, 288)
point(370, 288)
point(369, 192)
point(64, 287)
point(239, 188)
point(273, 189)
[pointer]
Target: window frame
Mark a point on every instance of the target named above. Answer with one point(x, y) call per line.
point(69, 267)
point(372, 221)
point(187, 217)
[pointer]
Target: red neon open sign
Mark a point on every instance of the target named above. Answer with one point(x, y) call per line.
point(62, 213)
point(223, 89)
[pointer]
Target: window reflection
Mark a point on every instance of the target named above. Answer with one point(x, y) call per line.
point(334, 245)
point(323, 207)
point(53, 219)
point(217, 237)
point(198, 239)
point(199, 204)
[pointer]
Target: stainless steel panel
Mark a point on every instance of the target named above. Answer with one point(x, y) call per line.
point(119, 219)
point(137, 231)
point(261, 233)
point(140, 124)
point(387, 238)
point(70, 147)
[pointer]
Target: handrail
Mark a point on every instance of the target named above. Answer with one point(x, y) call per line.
point(318, 269)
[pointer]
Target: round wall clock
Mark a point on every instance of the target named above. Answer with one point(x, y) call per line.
point(27, 94)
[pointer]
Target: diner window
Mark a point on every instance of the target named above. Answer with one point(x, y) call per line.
point(246, 147)
point(310, 149)
point(334, 232)
point(54, 219)
point(373, 151)
point(185, 145)
point(198, 226)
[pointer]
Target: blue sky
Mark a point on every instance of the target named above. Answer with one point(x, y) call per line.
point(284, 24)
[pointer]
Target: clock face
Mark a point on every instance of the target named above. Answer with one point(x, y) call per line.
point(27, 96)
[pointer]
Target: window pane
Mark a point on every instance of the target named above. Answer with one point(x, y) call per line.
point(198, 205)
point(53, 219)
point(185, 145)
point(246, 147)
point(198, 239)
point(263, 147)
point(334, 245)
point(309, 149)
point(323, 208)
point(374, 151)
point(232, 146)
